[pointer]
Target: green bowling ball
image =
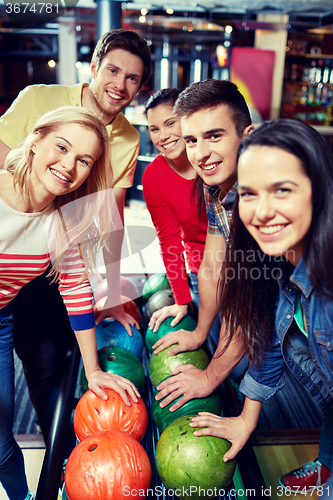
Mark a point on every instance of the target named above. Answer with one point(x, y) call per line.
point(161, 365)
point(154, 283)
point(187, 323)
point(120, 361)
point(191, 464)
point(163, 416)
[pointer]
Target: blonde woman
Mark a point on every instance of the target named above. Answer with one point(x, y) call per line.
point(55, 184)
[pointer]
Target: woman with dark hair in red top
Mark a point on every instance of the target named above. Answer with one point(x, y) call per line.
point(175, 201)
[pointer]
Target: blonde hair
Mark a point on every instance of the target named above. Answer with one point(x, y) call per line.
point(87, 220)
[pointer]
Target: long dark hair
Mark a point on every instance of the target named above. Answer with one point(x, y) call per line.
point(198, 195)
point(248, 282)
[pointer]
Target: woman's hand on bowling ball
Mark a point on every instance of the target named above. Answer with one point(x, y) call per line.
point(119, 314)
point(188, 382)
point(234, 429)
point(179, 311)
point(185, 340)
point(99, 380)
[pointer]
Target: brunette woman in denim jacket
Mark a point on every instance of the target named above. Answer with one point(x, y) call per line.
point(279, 272)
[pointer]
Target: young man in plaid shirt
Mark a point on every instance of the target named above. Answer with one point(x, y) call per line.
point(214, 120)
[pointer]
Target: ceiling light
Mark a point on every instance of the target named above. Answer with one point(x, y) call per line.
point(197, 70)
point(322, 30)
point(164, 75)
point(51, 63)
point(142, 19)
point(222, 55)
point(85, 50)
point(228, 29)
point(144, 12)
point(169, 11)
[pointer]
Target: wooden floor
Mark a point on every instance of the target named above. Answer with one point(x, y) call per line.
point(275, 461)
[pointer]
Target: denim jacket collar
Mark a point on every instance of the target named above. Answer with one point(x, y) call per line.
point(300, 279)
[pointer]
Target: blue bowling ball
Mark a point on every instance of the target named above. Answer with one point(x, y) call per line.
point(110, 332)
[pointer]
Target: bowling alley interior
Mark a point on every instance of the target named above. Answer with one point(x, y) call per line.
point(280, 55)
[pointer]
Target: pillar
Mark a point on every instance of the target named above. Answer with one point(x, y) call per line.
point(67, 50)
point(277, 41)
point(108, 16)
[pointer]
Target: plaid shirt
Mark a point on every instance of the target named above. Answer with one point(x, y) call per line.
point(219, 211)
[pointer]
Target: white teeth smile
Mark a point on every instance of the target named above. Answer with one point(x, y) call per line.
point(170, 145)
point(209, 167)
point(271, 229)
point(114, 96)
point(58, 174)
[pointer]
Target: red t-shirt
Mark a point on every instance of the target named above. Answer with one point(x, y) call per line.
point(172, 206)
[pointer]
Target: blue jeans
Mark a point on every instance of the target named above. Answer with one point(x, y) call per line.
point(42, 337)
point(215, 330)
point(12, 474)
point(240, 369)
point(326, 441)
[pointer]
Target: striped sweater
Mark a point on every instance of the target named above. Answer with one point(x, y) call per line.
point(24, 254)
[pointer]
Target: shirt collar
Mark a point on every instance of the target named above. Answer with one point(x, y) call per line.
point(300, 278)
point(114, 124)
point(229, 198)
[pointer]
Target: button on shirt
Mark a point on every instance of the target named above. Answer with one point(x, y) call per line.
point(219, 207)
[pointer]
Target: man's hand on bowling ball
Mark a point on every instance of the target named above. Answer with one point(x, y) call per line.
point(99, 380)
point(185, 340)
point(188, 382)
point(234, 429)
point(119, 314)
point(179, 311)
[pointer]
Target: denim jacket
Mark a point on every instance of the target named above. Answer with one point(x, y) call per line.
point(310, 359)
